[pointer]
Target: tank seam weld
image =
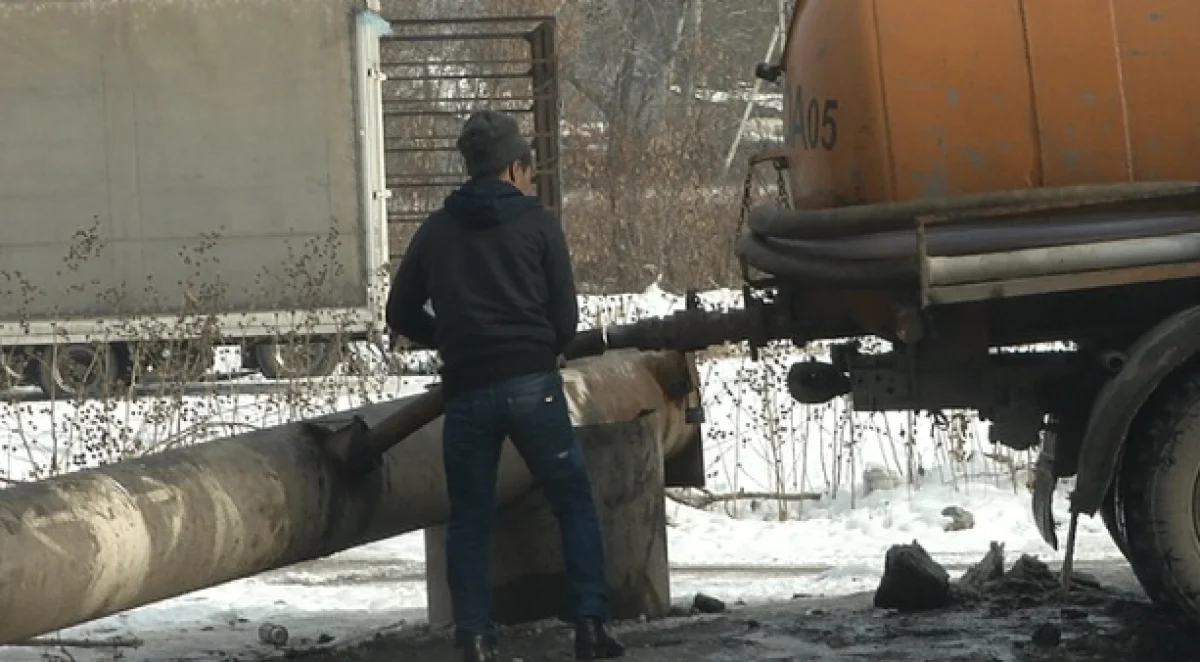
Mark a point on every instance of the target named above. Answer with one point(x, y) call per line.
point(892, 178)
point(1038, 177)
point(1116, 35)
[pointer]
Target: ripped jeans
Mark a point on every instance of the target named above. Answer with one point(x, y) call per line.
point(531, 410)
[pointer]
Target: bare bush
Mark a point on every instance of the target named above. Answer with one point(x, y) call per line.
point(171, 372)
point(652, 95)
point(767, 455)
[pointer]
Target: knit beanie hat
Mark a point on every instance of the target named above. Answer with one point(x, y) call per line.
point(490, 141)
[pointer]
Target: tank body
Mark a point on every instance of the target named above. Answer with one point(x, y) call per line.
point(892, 100)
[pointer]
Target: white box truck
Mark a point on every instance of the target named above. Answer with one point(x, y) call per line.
point(175, 173)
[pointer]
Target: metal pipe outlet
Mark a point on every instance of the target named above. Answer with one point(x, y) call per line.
point(1034, 262)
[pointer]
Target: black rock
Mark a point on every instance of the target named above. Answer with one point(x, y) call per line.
point(707, 604)
point(989, 569)
point(1032, 571)
point(912, 581)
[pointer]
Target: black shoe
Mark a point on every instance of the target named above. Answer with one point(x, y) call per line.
point(480, 649)
point(593, 641)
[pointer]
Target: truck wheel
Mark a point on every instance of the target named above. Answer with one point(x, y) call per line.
point(309, 357)
point(14, 366)
point(78, 370)
point(1112, 512)
point(1159, 487)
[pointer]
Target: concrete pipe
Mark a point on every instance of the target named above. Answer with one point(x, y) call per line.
point(93, 543)
point(626, 467)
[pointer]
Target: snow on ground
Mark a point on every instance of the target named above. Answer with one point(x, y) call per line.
point(757, 439)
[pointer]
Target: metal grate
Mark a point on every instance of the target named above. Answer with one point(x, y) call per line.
point(438, 73)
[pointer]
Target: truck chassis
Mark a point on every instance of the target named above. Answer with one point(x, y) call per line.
point(1067, 317)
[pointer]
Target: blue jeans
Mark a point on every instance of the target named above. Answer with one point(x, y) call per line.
point(530, 410)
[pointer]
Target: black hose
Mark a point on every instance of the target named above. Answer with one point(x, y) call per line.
point(860, 219)
point(770, 257)
point(767, 248)
point(586, 343)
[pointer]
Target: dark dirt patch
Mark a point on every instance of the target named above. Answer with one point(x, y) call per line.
point(1021, 616)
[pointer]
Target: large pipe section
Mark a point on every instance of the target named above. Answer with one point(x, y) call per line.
point(93, 543)
point(1095, 256)
point(994, 236)
point(528, 572)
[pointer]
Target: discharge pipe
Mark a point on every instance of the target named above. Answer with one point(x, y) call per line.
point(1096, 256)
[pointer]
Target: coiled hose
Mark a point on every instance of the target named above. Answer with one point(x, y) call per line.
point(765, 247)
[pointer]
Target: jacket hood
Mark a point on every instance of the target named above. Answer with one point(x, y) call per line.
point(489, 202)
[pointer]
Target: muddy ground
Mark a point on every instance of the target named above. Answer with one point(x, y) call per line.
point(1107, 617)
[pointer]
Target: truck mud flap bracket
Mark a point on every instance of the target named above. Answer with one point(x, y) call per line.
point(1151, 359)
point(1044, 482)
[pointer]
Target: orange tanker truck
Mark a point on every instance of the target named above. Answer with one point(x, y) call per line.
point(971, 176)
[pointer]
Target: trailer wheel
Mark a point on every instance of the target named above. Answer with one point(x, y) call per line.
point(309, 357)
point(1159, 489)
point(14, 368)
point(78, 370)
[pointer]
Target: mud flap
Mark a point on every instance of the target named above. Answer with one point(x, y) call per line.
point(1044, 482)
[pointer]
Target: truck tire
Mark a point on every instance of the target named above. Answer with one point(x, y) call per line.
point(1159, 489)
point(1113, 514)
point(78, 370)
point(311, 357)
point(14, 368)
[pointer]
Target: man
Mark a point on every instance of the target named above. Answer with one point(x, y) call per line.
point(495, 265)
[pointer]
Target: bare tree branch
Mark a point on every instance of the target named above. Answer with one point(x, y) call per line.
point(706, 499)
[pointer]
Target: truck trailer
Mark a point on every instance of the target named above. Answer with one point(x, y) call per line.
point(174, 175)
point(180, 174)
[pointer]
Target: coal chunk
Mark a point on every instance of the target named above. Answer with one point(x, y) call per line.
point(989, 569)
point(912, 581)
point(1028, 576)
point(706, 604)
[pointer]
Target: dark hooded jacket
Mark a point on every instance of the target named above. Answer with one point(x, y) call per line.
point(495, 265)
